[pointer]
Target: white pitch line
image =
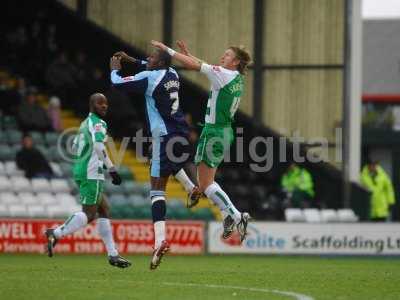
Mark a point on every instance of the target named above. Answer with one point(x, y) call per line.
point(296, 296)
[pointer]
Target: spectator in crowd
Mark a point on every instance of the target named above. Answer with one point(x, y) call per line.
point(377, 181)
point(54, 113)
point(32, 161)
point(11, 94)
point(60, 76)
point(31, 116)
point(298, 186)
point(82, 70)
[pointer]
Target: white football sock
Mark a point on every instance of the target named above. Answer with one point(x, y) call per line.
point(182, 177)
point(75, 222)
point(105, 230)
point(159, 233)
point(221, 199)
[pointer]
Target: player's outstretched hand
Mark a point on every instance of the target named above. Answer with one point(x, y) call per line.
point(116, 179)
point(158, 45)
point(115, 63)
point(182, 47)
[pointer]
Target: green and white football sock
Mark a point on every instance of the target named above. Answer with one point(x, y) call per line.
point(184, 180)
point(75, 222)
point(221, 199)
point(105, 230)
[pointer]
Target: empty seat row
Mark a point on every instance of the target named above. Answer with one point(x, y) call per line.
point(127, 187)
point(28, 198)
point(22, 184)
point(313, 215)
point(10, 168)
point(139, 200)
point(14, 136)
point(37, 210)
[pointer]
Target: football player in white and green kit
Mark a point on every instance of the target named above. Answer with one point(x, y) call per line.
point(217, 135)
point(90, 160)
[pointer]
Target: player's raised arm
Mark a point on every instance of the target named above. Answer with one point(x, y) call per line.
point(137, 83)
point(125, 57)
point(185, 50)
point(189, 62)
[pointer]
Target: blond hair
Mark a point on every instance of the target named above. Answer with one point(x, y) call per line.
point(243, 56)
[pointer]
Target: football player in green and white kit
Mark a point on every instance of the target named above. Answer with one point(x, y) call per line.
point(217, 135)
point(90, 159)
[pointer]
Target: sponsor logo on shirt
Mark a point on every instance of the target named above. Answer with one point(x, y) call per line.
point(216, 68)
point(98, 127)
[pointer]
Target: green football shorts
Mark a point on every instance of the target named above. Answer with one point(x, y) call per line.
point(214, 142)
point(90, 191)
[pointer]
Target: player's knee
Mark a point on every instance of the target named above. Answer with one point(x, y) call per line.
point(104, 212)
point(90, 213)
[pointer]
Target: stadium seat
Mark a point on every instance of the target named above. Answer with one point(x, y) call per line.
point(57, 211)
point(43, 149)
point(66, 168)
point(347, 215)
point(51, 138)
point(12, 169)
point(68, 202)
point(28, 198)
point(72, 186)
point(125, 173)
point(18, 210)
point(35, 211)
point(6, 153)
point(46, 198)
point(294, 215)
point(204, 214)
point(56, 169)
point(41, 185)
point(329, 215)
point(60, 186)
point(5, 184)
point(2, 169)
point(54, 154)
point(9, 122)
point(118, 199)
point(179, 213)
point(312, 215)
point(146, 189)
point(21, 184)
point(138, 212)
point(131, 187)
point(9, 198)
point(109, 188)
point(175, 203)
point(37, 137)
point(65, 199)
point(14, 136)
point(138, 200)
point(3, 137)
point(4, 211)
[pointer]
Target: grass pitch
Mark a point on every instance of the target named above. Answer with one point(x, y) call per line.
point(201, 277)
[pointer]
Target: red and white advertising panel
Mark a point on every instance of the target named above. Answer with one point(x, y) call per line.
point(26, 236)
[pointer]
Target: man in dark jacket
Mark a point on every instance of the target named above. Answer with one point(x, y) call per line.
point(32, 161)
point(32, 116)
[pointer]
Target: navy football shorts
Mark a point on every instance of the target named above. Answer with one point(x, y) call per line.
point(169, 154)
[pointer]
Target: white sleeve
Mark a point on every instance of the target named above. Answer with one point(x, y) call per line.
point(217, 75)
point(101, 152)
